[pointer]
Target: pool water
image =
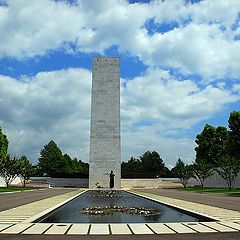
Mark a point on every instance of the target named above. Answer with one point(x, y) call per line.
point(72, 212)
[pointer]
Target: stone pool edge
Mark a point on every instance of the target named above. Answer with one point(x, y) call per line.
point(211, 212)
point(32, 211)
point(45, 212)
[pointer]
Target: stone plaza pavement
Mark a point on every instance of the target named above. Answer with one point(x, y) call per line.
point(16, 223)
point(15, 199)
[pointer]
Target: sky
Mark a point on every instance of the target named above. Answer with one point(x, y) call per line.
point(179, 67)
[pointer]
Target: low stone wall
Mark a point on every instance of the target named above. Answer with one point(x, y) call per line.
point(214, 181)
point(17, 180)
point(68, 182)
point(83, 183)
point(141, 183)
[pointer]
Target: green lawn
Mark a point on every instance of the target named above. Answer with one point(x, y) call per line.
point(14, 189)
point(211, 190)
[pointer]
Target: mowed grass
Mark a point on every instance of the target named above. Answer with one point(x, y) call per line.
point(212, 190)
point(14, 189)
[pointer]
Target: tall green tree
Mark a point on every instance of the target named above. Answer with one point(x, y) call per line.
point(149, 165)
point(78, 168)
point(211, 144)
point(3, 145)
point(234, 134)
point(84, 168)
point(202, 170)
point(166, 173)
point(132, 168)
point(183, 171)
point(220, 147)
point(152, 163)
point(71, 168)
point(9, 169)
point(26, 170)
point(205, 145)
point(229, 169)
point(51, 161)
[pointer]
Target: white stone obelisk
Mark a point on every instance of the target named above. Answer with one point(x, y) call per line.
point(105, 149)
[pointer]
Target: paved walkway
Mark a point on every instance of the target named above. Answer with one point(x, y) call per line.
point(11, 200)
point(188, 236)
point(212, 212)
point(34, 210)
point(216, 200)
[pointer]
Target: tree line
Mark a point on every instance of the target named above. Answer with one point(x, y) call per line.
point(217, 150)
point(148, 165)
point(12, 167)
point(52, 162)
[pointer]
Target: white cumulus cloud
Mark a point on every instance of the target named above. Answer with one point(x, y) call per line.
point(174, 104)
point(156, 109)
point(202, 42)
point(51, 105)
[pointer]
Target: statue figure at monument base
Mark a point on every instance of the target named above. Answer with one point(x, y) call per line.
point(111, 183)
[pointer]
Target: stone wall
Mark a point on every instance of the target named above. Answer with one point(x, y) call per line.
point(17, 180)
point(141, 183)
point(83, 183)
point(68, 182)
point(215, 181)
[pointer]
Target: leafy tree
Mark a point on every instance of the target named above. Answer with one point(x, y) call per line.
point(84, 169)
point(26, 170)
point(71, 166)
point(53, 163)
point(183, 171)
point(79, 168)
point(132, 168)
point(220, 146)
point(174, 172)
point(152, 164)
point(51, 160)
point(149, 165)
point(202, 170)
point(212, 144)
point(229, 168)
point(3, 145)
point(9, 169)
point(166, 173)
point(234, 134)
point(221, 137)
point(206, 141)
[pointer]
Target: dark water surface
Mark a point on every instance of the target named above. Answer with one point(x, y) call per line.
point(72, 211)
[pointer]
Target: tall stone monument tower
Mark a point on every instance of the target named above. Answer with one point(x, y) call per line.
point(105, 122)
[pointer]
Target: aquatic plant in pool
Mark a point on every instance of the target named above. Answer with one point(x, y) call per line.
point(106, 210)
point(116, 207)
point(106, 193)
point(119, 209)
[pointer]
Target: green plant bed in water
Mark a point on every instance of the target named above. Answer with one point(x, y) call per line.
point(119, 209)
point(106, 194)
point(15, 189)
